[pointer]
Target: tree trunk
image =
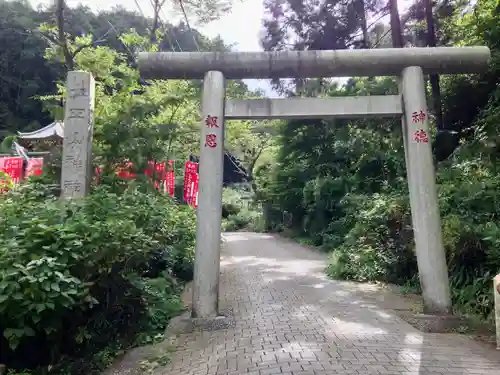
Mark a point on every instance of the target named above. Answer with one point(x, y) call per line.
point(434, 78)
point(63, 43)
point(396, 32)
point(154, 26)
point(157, 7)
point(364, 25)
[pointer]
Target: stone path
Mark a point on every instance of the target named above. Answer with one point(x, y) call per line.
point(291, 320)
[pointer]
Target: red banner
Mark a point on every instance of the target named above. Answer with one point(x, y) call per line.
point(13, 166)
point(191, 169)
point(159, 169)
point(34, 167)
point(170, 178)
point(194, 191)
point(164, 178)
point(97, 175)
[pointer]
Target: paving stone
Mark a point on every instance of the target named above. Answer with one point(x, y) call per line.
point(290, 319)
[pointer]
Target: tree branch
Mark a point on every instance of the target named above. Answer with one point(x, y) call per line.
point(257, 156)
point(93, 44)
point(49, 38)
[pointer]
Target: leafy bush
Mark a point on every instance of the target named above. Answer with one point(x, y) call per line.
point(472, 241)
point(374, 240)
point(378, 245)
point(239, 211)
point(161, 298)
point(69, 269)
point(231, 202)
point(245, 219)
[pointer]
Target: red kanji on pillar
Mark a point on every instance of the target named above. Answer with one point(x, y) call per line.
point(420, 136)
point(422, 116)
point(211, 121)
point(417, 117)
point(211, 140)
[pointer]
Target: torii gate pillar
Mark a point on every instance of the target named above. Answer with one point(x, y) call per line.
point(209, 212)
point(432, 267)
point(408, 63)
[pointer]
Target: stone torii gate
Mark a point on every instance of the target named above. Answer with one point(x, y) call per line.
point(409, 65)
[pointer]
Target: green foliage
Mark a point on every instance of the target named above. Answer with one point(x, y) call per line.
point(161, 298)
point(240, 211)
point(26, 75)
point(128, 115)
point(343, 183)
point(73, 272)
point(206, 10)
point(231, 202)
point(471, 240)
point(377, 245)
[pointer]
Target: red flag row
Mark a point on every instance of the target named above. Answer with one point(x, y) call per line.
point(167, 178)
point(13, 167)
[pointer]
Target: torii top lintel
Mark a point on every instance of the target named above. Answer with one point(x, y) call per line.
point(292, 64)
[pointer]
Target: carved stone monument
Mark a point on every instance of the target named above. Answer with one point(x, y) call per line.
point(78, 130)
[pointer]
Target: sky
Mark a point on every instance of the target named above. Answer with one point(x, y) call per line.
point(240, 27)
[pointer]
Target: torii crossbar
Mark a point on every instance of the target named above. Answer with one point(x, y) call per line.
point(408, 64)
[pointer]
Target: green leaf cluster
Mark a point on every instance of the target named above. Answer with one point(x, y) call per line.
point(74, 273)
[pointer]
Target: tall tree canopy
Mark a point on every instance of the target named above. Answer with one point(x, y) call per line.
point(316, 25)
point(24, 72)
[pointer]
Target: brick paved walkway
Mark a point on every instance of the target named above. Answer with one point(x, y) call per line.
point(291, 320)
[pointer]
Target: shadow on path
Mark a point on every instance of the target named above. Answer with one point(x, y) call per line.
point(291, 319)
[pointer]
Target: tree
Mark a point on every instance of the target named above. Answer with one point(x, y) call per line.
point(204, 11)
point(61, 40)
point(310, 25)
point(157, 7)
point(250, 140)
point(396, 32)
point(26, 33)
point(434, 78)
point(361, 10)
point(23, 71)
